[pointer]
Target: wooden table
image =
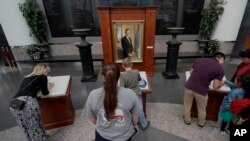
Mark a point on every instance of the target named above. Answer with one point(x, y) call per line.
point(145, 91)
point(57, 111)
point(215, 99)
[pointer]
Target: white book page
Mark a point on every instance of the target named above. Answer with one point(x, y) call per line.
point(144, 77)
point(223, 88)
point(61, 84)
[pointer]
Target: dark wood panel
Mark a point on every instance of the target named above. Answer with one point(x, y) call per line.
point(106, 35)
point(145, 93)
point(247, 43)
point(57, 111)
point(147, 14)
point(215, 99)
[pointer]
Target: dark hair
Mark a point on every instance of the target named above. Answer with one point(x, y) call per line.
point(111, 73)
point(245, 112)
point(245, 83)
point(219, 55)
point(245, 53)
point(126, 30)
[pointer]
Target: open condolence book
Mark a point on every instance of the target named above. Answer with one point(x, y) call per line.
point(61, 84)
point(223, 88)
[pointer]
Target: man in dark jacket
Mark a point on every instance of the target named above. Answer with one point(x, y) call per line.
point(127, 45)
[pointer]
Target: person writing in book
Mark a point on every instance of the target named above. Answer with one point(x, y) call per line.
point(114, 110)
point(130, 79)
point(29, 118)
point(127, 46)
point(203, 71)
point(237, 92)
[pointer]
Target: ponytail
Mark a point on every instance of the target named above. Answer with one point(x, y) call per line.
point(111, 73)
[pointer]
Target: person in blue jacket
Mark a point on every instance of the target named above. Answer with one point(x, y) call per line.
point(237, 92)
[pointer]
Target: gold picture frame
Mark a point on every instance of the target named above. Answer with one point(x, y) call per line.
point(134, 29)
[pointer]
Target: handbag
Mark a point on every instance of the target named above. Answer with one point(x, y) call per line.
point(19, 104)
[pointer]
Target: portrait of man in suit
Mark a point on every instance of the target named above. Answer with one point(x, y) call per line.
point(127, 46)
point(128, 40)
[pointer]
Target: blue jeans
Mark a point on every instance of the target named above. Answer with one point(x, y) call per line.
point(98, 137)
point(142, 119)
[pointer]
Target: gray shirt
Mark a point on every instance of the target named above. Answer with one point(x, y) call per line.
point(120, 126)
point(130, 79)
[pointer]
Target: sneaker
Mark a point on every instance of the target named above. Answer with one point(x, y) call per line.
point(146, 127)
point(223, 133)
point(227, 131)
point(240, 121)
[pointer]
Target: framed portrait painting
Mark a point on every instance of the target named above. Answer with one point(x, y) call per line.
point(127, 38)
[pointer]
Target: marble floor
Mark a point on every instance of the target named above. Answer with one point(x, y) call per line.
point(164, 105)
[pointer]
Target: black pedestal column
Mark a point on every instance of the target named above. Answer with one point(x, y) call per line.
point(172, 54)
point(86, 56)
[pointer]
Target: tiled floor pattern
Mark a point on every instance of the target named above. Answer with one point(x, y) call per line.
point(166, 124)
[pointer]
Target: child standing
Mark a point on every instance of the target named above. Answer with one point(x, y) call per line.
point(225, 114)
point(130, 79)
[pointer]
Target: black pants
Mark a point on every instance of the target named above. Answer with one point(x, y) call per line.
point(98, 137)
point(223, 125)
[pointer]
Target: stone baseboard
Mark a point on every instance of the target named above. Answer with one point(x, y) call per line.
point(160, 50)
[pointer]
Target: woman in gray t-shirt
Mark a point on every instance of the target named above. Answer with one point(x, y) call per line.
point(114, 110)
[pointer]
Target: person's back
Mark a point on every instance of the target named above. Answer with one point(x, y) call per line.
point(119, 127)
point(114, 110)
point(204, 71)
point(130, 79)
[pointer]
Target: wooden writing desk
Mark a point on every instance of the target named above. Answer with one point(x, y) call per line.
point(57, 111)
point(215, 98)
point(146, 90)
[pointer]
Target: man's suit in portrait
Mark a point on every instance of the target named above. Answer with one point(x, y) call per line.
point(127, 46)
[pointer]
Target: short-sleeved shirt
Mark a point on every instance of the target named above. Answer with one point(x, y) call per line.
point(130, 79)
point(120, 126)
point(204, 71)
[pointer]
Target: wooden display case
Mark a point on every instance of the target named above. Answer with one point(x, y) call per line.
point(145, 17)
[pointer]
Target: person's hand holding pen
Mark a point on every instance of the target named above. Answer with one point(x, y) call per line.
point(50, 85)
